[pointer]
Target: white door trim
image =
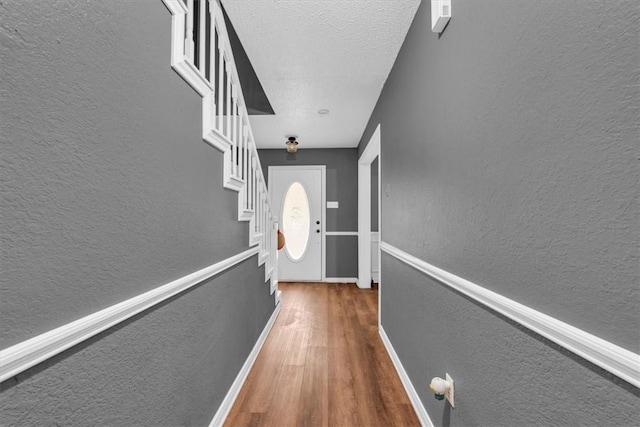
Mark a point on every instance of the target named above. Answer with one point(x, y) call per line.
point(364, 209)
point(375, 245)
point(323, 206)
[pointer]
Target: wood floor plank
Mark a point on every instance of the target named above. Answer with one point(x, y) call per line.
point(323, 364)
point(314, 400)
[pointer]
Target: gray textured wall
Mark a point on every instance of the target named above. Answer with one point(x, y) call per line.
point(342, 186)
point(108, 191)
point(342, 256)
point(510, 158)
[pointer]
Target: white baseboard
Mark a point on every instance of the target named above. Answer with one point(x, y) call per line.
point(341, 280)
point(421, 412)
point(228, 401)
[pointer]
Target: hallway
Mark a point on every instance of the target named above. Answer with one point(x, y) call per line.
point(323, 364)
point(140, 272)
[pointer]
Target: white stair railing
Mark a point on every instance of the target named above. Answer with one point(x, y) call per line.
point(201, 54)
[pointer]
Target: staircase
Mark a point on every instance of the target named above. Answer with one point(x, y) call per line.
point(201, 54)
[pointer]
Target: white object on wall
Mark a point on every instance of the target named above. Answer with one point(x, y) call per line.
point(440, 14)
point(332, 205)
point(443, 389)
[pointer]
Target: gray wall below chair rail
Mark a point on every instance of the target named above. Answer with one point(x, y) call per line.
point(108, 192)
point(509, 154)
point(342, 260)
point(342, 186)
point(504, 374)
point(171, 365)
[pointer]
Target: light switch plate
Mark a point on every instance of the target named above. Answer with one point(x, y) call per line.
point(332, 205)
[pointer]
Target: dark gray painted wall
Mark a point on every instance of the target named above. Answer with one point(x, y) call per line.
point(255, 99)
point(510, 158)
point(342, 186)
point(108, 192)
point(342, 256)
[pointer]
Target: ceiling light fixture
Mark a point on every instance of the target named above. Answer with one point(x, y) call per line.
point(292, 144)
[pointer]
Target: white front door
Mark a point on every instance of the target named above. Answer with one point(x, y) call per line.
point(297, 196)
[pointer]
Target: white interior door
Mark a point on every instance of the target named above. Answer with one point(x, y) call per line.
point(297, 195)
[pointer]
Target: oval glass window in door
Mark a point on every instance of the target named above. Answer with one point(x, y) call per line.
point(296, 220)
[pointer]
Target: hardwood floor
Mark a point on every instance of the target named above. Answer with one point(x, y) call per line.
point(323, 364)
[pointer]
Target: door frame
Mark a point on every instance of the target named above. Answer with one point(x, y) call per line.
point(323, 207)
point(371, 151)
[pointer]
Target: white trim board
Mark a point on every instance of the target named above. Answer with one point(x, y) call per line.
point(414, 397)
point(341, 280)
point(29, 353)
point(368, 156)
point(341, 233)
point(615, 359)
point(234, 390)
point(375, 256)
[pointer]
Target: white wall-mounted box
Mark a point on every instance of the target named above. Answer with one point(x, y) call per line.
point(440, 14)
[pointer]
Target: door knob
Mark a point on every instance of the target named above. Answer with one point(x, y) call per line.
point(317, 231)
point(317, 222)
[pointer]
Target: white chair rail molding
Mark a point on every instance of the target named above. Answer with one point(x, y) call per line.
point(613, 358)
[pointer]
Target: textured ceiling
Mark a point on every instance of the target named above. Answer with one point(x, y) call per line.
point(319, 54)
